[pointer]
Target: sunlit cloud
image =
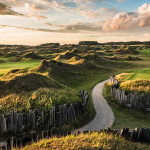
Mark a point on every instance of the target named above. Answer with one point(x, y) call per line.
point(121, 21)
point(95, 18)
point(144, 15)
point(7, 10)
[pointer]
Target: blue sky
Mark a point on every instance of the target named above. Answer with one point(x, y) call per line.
point(70, 21)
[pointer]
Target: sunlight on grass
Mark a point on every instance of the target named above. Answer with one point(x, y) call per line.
point(5, 67)
point(88, 141)
point(126, 117)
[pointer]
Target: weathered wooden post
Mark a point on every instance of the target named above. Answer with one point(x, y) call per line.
point(12, 143)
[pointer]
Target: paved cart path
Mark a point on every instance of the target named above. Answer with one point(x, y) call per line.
point(104, 116)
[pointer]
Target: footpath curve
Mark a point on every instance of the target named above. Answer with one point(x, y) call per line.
point(104, 115)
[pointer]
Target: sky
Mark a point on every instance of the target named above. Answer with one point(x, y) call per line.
point(33, 22)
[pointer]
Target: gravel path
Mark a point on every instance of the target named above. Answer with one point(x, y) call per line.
point(104, 116)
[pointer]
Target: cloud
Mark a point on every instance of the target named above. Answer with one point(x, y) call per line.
point(6, 10)
point(73, 28)
point(147, 35)
point(144, 15)
point(37, 7)
point(82, 27)
point(48, 24)
point(31, 29)
point(120, 22)
point(69, 7)
point(128, 20)
point(97, 13)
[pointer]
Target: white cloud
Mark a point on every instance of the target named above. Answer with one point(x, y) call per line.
point(119, 22)
point(147, 35)
point(144, 15)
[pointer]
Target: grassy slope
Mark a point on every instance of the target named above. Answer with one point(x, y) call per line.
point(137, 74)
point(87, 79)
point(87, 141)
point(136, 79)
point(84, 78)
point(126, 117)
point(7, 66)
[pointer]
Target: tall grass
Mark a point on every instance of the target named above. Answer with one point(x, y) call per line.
point(126, 117)
point(136, 86)
point(43, 98)
point(93, 141)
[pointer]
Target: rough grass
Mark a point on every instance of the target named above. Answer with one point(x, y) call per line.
point(31, 55)
point(138, 80)
point(136, 86)
point(26, 82)
point(80, 75)
point(126, 117)
point(43, 98)
point(88, 141)
point(65, 55)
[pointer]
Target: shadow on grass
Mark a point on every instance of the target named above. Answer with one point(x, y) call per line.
point(126, 117)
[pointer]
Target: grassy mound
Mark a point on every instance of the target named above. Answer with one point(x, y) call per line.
point(31, 55)
point(125, 50)
point(139, 80)
point(136, 85)
point(73, 59)
point(11, 54)
point(65, 55)
point(77, 51)
point(43, 98)
point(124, 58)
point(26, 82)
point(100, 60)
point(48, 66)
point(87, 141)
point(67, 73)
point(126, 117)
point(13, 73)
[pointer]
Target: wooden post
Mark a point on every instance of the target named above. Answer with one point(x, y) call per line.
point(11, 144)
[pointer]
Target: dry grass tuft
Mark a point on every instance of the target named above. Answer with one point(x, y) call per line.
point(136, 85)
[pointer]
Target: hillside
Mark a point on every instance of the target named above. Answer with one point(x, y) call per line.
point(138, 80)
point(25, 83)
point(32, 83)
point(105, 141)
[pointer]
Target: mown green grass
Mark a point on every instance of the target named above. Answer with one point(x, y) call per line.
point(136, 74)
point(141, 74)
point(90, 141)
point(5, 58)
point(5, 67)
point(136, 80)
point(126, 117)
point(82, 77)
point(145, 52)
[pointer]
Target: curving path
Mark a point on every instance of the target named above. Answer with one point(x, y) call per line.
point(104, 116)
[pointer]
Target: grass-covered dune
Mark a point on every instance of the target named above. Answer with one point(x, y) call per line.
point(126, 117)
point(25, 83)
point(21, 90)
point(36, 83)
point(136, 85)
point(136, 81)
point(90, 141)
